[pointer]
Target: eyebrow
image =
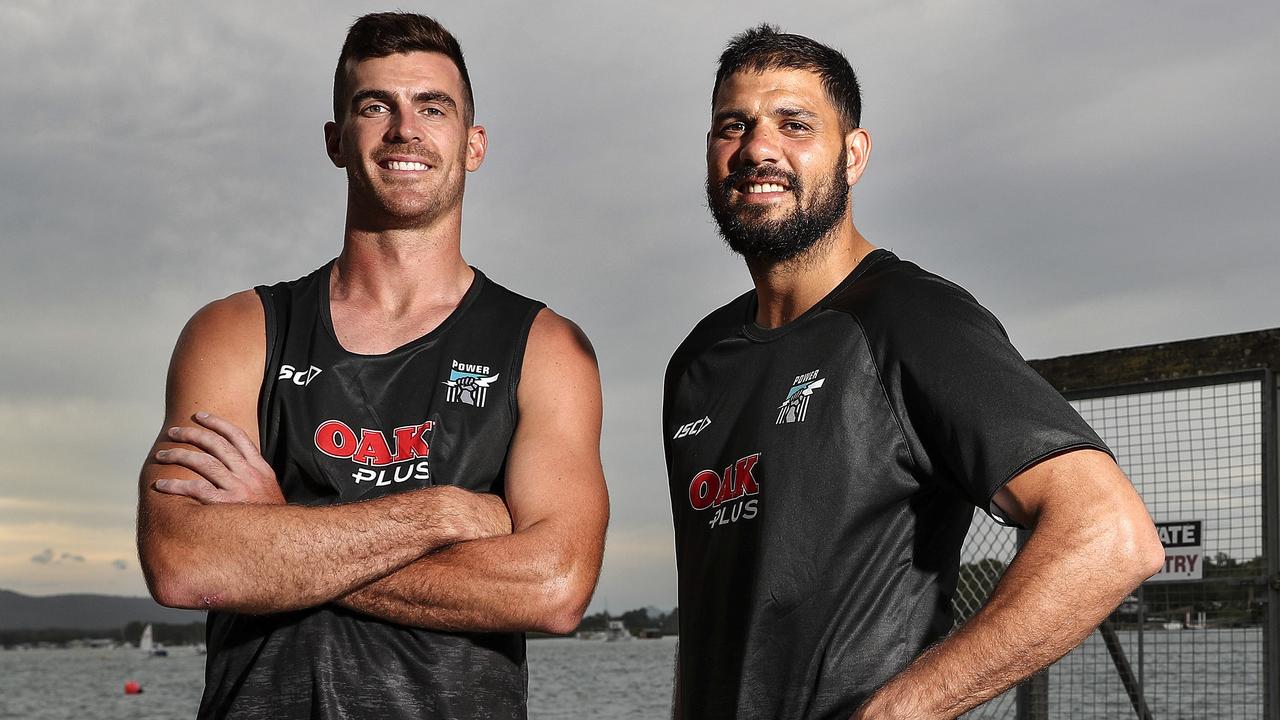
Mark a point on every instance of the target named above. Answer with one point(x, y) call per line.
point(795, 112)
point(426, 96)
point(784, 111)
point(732, 114)
point(438, 96)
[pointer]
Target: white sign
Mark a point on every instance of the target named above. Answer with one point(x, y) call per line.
point(1183, 551)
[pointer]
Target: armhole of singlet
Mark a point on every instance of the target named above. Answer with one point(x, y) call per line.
point(517, 361)
point(271, 323)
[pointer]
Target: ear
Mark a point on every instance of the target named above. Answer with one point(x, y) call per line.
point(858, 146)
point(477, 145)
point(333, 143)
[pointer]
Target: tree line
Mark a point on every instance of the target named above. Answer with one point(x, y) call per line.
point(637, 620)
point(1232, 593)
point(130, 634)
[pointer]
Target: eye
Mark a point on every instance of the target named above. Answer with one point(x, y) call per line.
point(795, 126)
point(433, 111)
point(733, 128)
point(374, 109)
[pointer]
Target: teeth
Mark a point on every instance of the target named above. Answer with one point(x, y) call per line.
point(398, 165)
point(764, 188)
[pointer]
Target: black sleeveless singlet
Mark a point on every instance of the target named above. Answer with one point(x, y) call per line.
point(339, 427)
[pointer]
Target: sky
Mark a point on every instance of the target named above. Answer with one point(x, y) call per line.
point(1098, 174)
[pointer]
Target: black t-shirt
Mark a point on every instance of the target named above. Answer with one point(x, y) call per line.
point(340, 427)
point(823, 476)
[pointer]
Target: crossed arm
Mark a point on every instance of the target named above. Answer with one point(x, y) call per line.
point(541, 576)
point(1091, 543)
point(213, 531)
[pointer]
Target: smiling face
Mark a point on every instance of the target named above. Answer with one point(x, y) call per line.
point(404, 139)
point(777, 163)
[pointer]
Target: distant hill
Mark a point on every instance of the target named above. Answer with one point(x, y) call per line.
point(87, 612)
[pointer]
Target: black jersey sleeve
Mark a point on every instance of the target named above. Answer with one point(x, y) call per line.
point(973, 411)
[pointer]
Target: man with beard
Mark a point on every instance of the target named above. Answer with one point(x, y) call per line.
point(829, 434)
point(331, 483)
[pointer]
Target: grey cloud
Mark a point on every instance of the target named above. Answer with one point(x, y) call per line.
point(48, 557)
point(1065, 163)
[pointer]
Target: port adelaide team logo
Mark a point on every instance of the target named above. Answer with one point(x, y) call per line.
point(796, 406)
point(469, 384)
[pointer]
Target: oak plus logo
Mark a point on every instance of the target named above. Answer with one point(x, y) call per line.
point(469, 384)
point(732, 495)
point(377, 460)
point(298, 377)
point(796, 406)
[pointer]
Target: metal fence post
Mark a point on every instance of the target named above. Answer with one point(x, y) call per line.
point(1033, 693)
point(1033, 697)
point(1271, 546)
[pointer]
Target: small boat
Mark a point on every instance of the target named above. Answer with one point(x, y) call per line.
point(149, 646)
point(617, 631)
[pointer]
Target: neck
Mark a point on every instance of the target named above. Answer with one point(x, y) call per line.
point(786, 290)
point(398, 267)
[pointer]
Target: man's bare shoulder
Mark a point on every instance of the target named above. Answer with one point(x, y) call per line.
point(554, 339)
point(559, 373)
point(223, 340)
point(237, 314)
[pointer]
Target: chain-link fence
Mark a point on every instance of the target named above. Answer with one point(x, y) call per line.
point(988, 550)
point(1192, 642)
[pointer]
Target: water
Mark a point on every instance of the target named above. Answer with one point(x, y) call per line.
point(567, 679)
point(1213, 674)
point(1187, 675)
point(1202, 675)
point(593, 679)
point(88, 683)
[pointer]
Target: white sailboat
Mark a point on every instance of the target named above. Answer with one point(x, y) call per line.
point(149, 646)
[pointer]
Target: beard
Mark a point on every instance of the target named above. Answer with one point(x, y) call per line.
point(750, 233)
point(402, 205)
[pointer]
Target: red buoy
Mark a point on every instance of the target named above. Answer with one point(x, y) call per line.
point(132, 687)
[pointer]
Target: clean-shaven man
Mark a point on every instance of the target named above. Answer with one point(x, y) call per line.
point(376, 477)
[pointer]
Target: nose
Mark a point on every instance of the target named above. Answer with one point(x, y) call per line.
point(759, 146)
point(404, 128)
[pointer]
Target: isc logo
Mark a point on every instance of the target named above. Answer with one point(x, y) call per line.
point(298, 377)
point(692, 428)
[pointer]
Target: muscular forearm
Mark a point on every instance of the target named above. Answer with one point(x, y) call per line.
point(1061, 585)
point(531, 580)
point(541, 576)
point(269, 558)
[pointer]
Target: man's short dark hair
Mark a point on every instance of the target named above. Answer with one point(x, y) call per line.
point(764, 47)
point(381, 34)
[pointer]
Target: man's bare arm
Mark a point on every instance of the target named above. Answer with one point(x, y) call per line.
point(1091, 543)
point(267, 557)
point(540, 577)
